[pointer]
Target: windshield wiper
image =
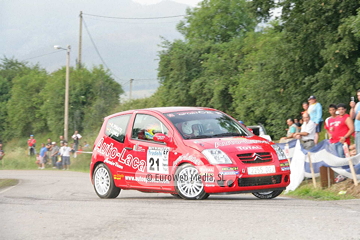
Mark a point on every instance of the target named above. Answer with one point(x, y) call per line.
point(227, 134)
point(201, 136)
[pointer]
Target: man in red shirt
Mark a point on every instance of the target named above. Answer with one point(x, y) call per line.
point(31, 143)
point(330, 121)
point(343, 127)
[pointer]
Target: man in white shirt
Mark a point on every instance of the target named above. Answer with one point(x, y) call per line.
point(307, 132)
point(65, 154)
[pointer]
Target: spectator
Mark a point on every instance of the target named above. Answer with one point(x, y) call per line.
point(38, 161)
point(54, 154)
point(59, 162)
point(315, 112)
point(305, 106)
point(297, 124)
point(48, 153)
point(61, 139)
point(307, 132)
point(86, 145)
point(355, 114)
point(330, 121)
point(32, 144)
point(343, 128)
point(2, 153)
point(43, 151)
point(65, 153)
point(76, 138)
point(290, 131)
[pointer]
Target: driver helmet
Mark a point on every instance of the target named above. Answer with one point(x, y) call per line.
point(151, 130)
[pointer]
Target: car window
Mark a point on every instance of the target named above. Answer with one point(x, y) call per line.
point(205, 124)
point(116, 127)
point(146, 126)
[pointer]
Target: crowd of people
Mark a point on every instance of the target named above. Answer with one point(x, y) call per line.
point(340, 127)
point(58, 156)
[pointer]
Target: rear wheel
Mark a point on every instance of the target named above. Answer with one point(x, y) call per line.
point(188, 183)
point(267, 195)
point(104, 183)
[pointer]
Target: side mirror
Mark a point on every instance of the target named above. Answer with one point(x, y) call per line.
point(160, 137)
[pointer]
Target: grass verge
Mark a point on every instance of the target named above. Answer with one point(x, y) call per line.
point(339, 191)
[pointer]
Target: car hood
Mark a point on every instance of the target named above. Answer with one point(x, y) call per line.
point(230, 144)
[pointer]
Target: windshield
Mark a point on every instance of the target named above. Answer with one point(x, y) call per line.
point(205, 124)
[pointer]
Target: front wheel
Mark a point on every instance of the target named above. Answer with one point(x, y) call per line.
point(104, 183)
point(267, 195)
point(188, 183)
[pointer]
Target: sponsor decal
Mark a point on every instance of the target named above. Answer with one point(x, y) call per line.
point(229, 173)
point(229, 168)
point(115, 164)
point(158, 160)
point(206, 169)
point(284, 164)
point(138, 148)
point(209, 185)
point(161, 137)
point(141, 179)
point(118, 176)
point(114, 129)
point(112, 153)
point(249, 148)
point(207, 177)
point(189, 158)
point(236, 142)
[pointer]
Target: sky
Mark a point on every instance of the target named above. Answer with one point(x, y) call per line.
point(128, 47)
point(192, 3)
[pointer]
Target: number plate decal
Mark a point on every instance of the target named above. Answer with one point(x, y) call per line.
point(261, 170)
point(158, 160)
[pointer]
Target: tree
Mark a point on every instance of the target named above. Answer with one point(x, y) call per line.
point(24, 115)
point(217, 21)
point(9, 69)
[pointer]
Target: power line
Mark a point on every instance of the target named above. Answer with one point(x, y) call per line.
point(129, 22)
point(41, 55)
point(97, 51)
point(134, 18)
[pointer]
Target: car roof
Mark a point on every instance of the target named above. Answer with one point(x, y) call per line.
point(178, 109)
point(165, 110)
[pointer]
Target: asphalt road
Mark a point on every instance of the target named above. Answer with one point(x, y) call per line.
point(50, 204)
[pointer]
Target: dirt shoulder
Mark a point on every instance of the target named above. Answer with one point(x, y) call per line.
point(8, 183)
point(347, 186)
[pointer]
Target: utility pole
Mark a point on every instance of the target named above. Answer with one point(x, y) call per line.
point(80, 40)
point(66, 114)
point(131, 81)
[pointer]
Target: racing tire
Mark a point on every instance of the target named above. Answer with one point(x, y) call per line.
point(104, 183)
point(188, 183)
point(267, 195)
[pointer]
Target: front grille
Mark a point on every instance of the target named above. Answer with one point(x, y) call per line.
point(253, 158)
point(259, 181)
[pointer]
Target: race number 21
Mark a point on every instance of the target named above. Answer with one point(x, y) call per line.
point(158, 160)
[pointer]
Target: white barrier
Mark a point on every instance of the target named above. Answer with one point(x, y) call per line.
point(323, 154)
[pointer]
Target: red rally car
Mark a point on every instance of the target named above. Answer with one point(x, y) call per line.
point(189, 152)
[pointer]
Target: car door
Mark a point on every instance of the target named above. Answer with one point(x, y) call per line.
point(156, 174)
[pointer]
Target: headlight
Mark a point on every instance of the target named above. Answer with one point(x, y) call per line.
point(216, 156)
point(280, 153)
